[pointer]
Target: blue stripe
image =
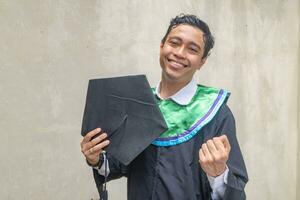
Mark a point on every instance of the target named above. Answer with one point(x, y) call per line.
point(181, 138)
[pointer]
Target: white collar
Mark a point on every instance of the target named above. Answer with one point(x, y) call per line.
point(184, 95)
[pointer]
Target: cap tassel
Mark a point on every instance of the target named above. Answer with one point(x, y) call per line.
point(104, 195)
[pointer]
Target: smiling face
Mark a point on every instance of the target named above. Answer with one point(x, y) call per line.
point(181, 53)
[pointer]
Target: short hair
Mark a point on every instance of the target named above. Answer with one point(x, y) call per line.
point(193, 20)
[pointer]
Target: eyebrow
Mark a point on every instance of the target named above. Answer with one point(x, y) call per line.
point(192, 43)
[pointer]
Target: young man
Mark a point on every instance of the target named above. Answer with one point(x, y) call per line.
point(198, 157)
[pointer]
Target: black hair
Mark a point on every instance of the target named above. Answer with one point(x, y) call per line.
point(193, 20)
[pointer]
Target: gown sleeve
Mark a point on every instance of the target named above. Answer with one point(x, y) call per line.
point(237, 174)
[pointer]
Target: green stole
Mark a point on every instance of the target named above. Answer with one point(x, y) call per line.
point(185, 121)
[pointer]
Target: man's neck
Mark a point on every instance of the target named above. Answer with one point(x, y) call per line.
point(169, 87)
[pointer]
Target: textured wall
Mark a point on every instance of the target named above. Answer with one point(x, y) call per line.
point(298, 144)
point(49, 49)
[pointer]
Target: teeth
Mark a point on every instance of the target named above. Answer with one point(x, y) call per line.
point(176, 64)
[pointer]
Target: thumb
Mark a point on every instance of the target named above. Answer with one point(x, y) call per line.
point(225, 142)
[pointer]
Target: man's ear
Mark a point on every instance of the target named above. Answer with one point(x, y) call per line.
point(203, 60)
point(161, 45)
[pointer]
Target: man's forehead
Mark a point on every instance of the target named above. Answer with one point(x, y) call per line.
point(187, 32)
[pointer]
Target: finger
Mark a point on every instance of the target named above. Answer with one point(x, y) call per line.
point(225, 141)
point(219, 144)
point(201, 155)
point(211, 147)
point(90, 134)
point(92, 154)
point(96, 149)
point(93, 151)
point(99, 138)
point(206, 152)
point(99, 147)
point(94, 142)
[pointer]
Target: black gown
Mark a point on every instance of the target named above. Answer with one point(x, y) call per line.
point(174, 172)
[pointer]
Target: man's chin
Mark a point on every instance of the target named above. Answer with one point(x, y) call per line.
point(172, 76)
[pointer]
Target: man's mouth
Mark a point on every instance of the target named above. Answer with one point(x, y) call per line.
point(176, 64)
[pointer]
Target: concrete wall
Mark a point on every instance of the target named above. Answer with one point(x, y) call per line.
point(298, 144)
point(49, 50)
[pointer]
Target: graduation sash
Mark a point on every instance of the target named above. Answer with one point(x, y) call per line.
point(185, 121)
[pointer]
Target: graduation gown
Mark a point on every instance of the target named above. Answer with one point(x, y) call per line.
point(174, 173)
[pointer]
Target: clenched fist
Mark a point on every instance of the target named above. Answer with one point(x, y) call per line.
point(213, 155)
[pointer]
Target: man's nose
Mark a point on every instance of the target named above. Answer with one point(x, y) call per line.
point(180, 52)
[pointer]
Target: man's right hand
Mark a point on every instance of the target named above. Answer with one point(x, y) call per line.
point(93, 147)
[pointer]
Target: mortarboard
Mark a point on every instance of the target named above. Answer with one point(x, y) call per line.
point(125, 108)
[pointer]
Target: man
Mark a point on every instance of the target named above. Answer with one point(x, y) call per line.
point(198, 157)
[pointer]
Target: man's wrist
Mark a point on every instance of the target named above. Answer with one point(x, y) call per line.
point(96, 164)
point(218, 180)
point(216, 174)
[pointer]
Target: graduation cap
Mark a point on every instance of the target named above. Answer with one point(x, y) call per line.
point(125, 108)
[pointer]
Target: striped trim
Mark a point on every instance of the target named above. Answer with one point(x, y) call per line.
point(191, 132)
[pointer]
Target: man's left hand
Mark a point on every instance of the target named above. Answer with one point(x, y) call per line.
point(213, 155)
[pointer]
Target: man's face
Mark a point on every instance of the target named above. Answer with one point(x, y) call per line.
point(181, 54)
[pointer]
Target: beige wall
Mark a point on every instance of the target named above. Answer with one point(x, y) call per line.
point(298, 157)
point(49, 49)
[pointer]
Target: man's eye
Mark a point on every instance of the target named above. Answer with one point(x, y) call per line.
point(193, 50)
point(173, 42)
